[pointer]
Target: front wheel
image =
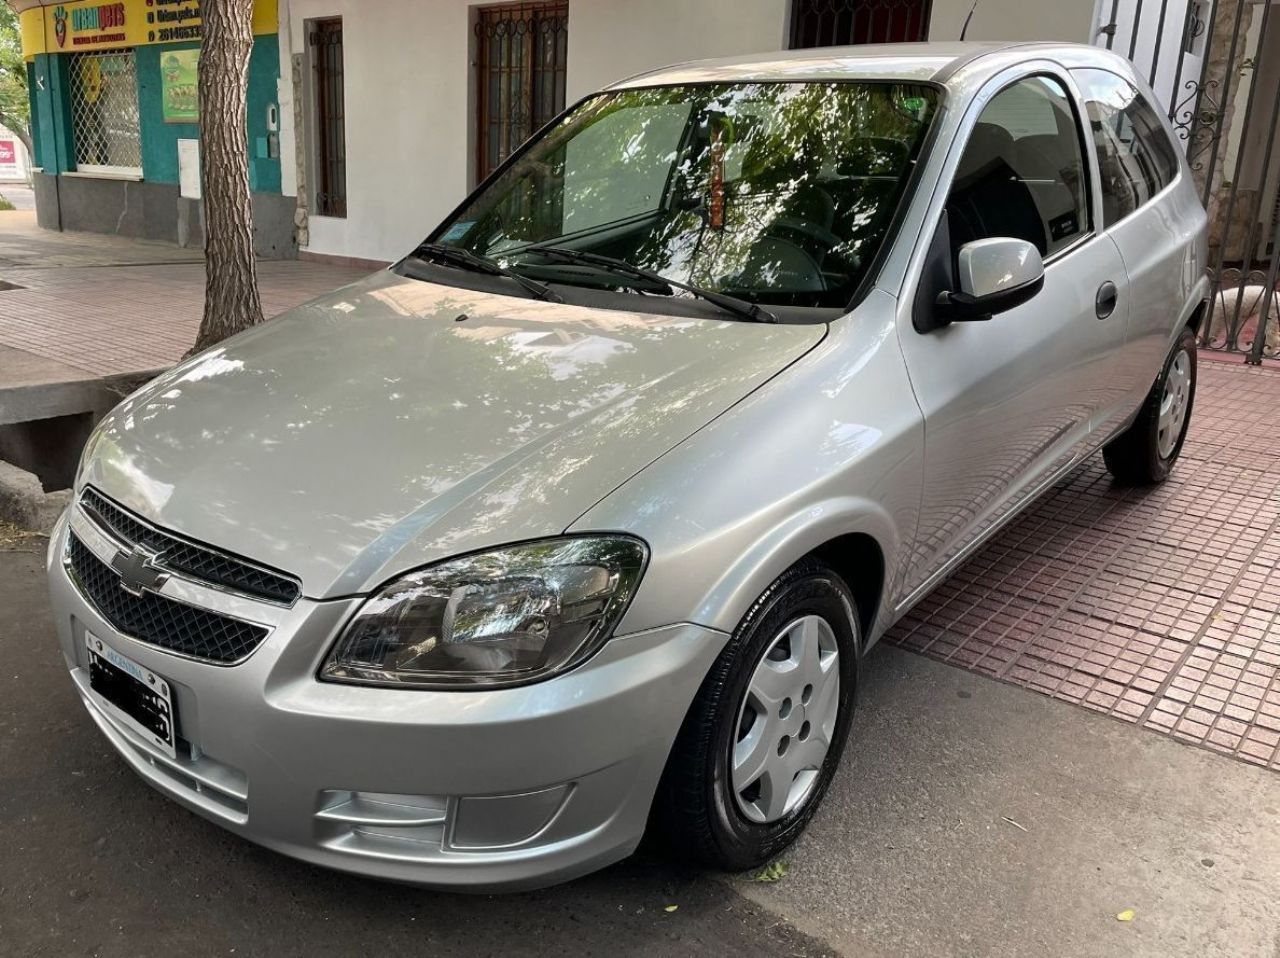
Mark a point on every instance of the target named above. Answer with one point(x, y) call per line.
point(1146, 451)
point(764, 735)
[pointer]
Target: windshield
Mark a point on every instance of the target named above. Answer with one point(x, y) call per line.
point(775, 193)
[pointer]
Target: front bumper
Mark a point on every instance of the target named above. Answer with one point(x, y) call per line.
point(504, 789)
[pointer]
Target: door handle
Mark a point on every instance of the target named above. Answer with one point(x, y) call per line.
point(1105, 302)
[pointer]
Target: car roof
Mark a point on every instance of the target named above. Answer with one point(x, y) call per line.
point(920, 62)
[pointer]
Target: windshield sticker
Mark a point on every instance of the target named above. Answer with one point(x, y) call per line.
point(457, 231)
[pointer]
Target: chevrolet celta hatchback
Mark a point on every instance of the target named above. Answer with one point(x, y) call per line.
point(580, 518)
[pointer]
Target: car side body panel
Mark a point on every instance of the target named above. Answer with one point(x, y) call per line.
point(831, 446)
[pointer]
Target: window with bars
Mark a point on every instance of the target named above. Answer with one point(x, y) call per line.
point(833, 23)
point(520, 73)
point(325, 39)
point(104, 113)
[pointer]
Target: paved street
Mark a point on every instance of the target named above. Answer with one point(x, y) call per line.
point(970, 818)
point(21, 196)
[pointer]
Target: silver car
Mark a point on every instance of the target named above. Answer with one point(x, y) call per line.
point(582, 517)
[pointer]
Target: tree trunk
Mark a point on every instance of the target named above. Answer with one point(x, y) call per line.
point(231, 301)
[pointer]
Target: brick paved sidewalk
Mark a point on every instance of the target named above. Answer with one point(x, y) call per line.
point(107, 305)
point(1157, 606)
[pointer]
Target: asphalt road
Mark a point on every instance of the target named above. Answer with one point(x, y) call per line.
point(968, 818)
point(94, 862)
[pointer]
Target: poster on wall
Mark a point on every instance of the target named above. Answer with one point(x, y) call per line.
point(8, 157)
point(178, 94)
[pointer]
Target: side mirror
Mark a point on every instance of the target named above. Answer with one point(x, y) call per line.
point(993, 275)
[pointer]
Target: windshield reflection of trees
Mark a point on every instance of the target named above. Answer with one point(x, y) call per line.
point(778, 192)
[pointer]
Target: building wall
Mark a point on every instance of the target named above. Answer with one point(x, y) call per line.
point(1068, 21)
point(408, 87)
point(148, 205)
point(613, 39)
point(409, 125)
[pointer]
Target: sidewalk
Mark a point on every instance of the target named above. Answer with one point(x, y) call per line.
point(103, 305)
point(1159, 607)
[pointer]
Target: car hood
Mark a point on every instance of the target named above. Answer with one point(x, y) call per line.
point(396, 422)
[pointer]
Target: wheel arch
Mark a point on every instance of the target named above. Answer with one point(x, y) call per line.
point(859, 561)
point(856, 537)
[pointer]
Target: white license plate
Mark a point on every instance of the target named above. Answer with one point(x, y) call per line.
point(132, 694)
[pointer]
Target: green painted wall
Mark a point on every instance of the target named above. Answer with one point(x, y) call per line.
point(50, 112)
point(160, 139)
point(264, 71)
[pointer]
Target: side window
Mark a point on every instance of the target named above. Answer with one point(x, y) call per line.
point(1022, 172)
point(1135, 158)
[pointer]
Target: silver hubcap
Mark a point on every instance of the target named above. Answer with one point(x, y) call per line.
point(1173, 404)
point(786, 721)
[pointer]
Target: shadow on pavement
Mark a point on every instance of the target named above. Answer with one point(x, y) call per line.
point(93, 862)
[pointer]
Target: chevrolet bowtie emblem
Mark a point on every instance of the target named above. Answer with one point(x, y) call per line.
point(138, 571)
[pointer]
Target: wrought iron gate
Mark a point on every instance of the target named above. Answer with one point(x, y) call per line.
point(1216, 66)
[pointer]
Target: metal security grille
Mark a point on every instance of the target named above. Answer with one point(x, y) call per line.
point(104, 112)
point(1215, 66)
point(832, 23)
point(521, 51)
point(331, 136)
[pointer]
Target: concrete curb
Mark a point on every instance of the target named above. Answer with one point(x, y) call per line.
point(25, 504)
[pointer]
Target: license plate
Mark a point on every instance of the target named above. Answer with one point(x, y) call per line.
point(132, 694)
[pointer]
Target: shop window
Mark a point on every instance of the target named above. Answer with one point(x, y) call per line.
point(833, 23)
point(325, 39)
point(104, 113)
point(521, 52)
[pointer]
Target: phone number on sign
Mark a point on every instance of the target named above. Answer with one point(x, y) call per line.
point(190, 32)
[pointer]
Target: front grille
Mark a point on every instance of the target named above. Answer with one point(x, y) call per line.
point(189, 559)
point(159, 621)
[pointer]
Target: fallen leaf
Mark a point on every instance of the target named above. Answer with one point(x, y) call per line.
point(1126, 915)
point(772, 872)
point(671, 908)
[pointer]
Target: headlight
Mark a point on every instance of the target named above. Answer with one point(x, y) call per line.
point(504, 617)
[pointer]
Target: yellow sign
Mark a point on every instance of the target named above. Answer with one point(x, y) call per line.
point(91, 82)
point(94, 25)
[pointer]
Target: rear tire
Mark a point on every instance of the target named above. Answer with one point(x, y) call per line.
point(1146, 451)
point(762, 739)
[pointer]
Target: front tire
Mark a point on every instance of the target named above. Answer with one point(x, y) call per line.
point(762, 739)
point(1146, 451)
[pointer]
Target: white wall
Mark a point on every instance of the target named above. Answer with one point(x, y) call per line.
point(1062, 20)
point(1156, 45)
point(409, 126)
point(407, 69)
point(408, 77)
point(613, 39)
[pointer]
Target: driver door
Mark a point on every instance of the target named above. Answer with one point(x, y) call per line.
point(1007, 402)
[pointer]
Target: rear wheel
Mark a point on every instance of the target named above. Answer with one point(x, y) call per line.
point(764, 735)
point(1146, 451)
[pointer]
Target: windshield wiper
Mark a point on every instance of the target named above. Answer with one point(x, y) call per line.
point(732, 304)
point(465, 259)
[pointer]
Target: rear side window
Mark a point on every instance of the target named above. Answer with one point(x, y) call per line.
point(1135, 158)
point(1022, 171)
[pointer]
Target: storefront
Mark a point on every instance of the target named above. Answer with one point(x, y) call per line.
point(115, 120)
